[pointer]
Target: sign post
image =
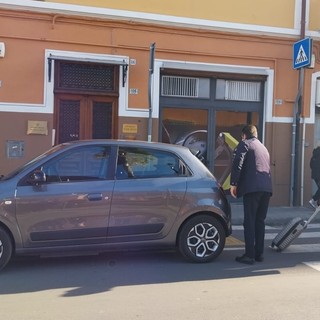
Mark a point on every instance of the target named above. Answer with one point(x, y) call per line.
point(302, 51)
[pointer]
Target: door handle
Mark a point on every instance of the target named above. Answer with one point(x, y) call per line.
point(94, 196)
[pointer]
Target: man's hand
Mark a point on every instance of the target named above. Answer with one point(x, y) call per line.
point(233, 191)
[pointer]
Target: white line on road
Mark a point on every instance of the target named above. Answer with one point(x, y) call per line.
point(232, 248)
point(294, 248)
point(239, 227)
point(305, 235)
point(302, 248)
point(310, 226)
point(313, 264)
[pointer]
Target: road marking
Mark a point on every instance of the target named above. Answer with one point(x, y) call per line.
point(298, 248)
point(267, 228)
point(236, 244)
point(305, 235)
point(232, 248)
point(310, 226)
point(302, 248)
point(313, 226)
point(313, 264)
point(237, 227)
point(232, 241)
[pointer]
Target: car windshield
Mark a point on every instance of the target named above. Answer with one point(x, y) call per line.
point(30, 163)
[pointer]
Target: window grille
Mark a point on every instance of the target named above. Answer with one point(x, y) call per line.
point(89, 77)
point(174, 86)
point(238, 90)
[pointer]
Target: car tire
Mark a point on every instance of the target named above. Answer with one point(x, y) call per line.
point(201, 239)
point(5, 248)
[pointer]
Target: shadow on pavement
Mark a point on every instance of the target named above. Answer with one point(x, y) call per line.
point(87, 275)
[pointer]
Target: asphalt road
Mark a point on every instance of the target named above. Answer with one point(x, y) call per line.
point(162, 286)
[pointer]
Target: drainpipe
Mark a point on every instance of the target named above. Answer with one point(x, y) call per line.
point(151, 67)
point(303, 143)
point(294, 150)
point(294, 194)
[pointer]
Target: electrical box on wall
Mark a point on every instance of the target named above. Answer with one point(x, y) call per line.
point(15, 149)
point(2, 49)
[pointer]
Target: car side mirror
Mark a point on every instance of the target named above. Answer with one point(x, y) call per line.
point(37, 177)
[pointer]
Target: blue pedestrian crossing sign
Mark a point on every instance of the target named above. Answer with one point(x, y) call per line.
point(302, 53)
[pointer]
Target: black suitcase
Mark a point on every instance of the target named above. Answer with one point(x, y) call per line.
point(291, 231)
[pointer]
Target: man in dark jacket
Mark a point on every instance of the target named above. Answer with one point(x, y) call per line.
point(315, 175)
point(251, 179)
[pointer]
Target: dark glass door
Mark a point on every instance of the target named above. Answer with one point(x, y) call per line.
point(213, 134)
point(227, 134)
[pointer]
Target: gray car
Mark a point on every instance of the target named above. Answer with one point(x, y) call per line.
point(102, 195)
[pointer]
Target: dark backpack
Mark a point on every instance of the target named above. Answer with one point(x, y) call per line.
point(315, 164)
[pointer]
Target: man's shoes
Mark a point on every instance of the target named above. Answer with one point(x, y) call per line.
point(313, 203)
point(245, 259)
point(259, 258)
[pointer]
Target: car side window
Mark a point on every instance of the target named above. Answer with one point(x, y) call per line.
point(80, 164)
point(148, 163)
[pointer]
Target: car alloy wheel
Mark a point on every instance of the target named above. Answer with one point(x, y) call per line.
point(1, 249)
point(202, 238)
point(5, 248)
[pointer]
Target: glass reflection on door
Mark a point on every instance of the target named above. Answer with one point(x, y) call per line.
point(187, 127)
point(228, 127)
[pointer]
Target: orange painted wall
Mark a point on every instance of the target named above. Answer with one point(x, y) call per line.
point(22, 75)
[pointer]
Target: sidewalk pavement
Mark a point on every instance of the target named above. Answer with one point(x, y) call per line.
point(277, 216)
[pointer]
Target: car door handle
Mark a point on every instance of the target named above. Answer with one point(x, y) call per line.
point(95, 196)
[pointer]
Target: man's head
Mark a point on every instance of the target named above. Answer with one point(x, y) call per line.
point(249, 131)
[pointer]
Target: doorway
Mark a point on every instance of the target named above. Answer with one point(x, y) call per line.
point(207, 114)
point(85, 100)
point(79, 117)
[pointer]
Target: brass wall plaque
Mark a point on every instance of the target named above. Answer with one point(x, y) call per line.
point(129, 128)
point(37, 127)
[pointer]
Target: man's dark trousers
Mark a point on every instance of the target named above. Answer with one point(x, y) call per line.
point(255, 206)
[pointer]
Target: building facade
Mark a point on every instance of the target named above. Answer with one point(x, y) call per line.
point(186, 72)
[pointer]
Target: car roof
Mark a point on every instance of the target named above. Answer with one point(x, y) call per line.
point(131, 143)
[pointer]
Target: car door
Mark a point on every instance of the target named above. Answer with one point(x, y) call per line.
point(149, 190)
point(72, 207)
